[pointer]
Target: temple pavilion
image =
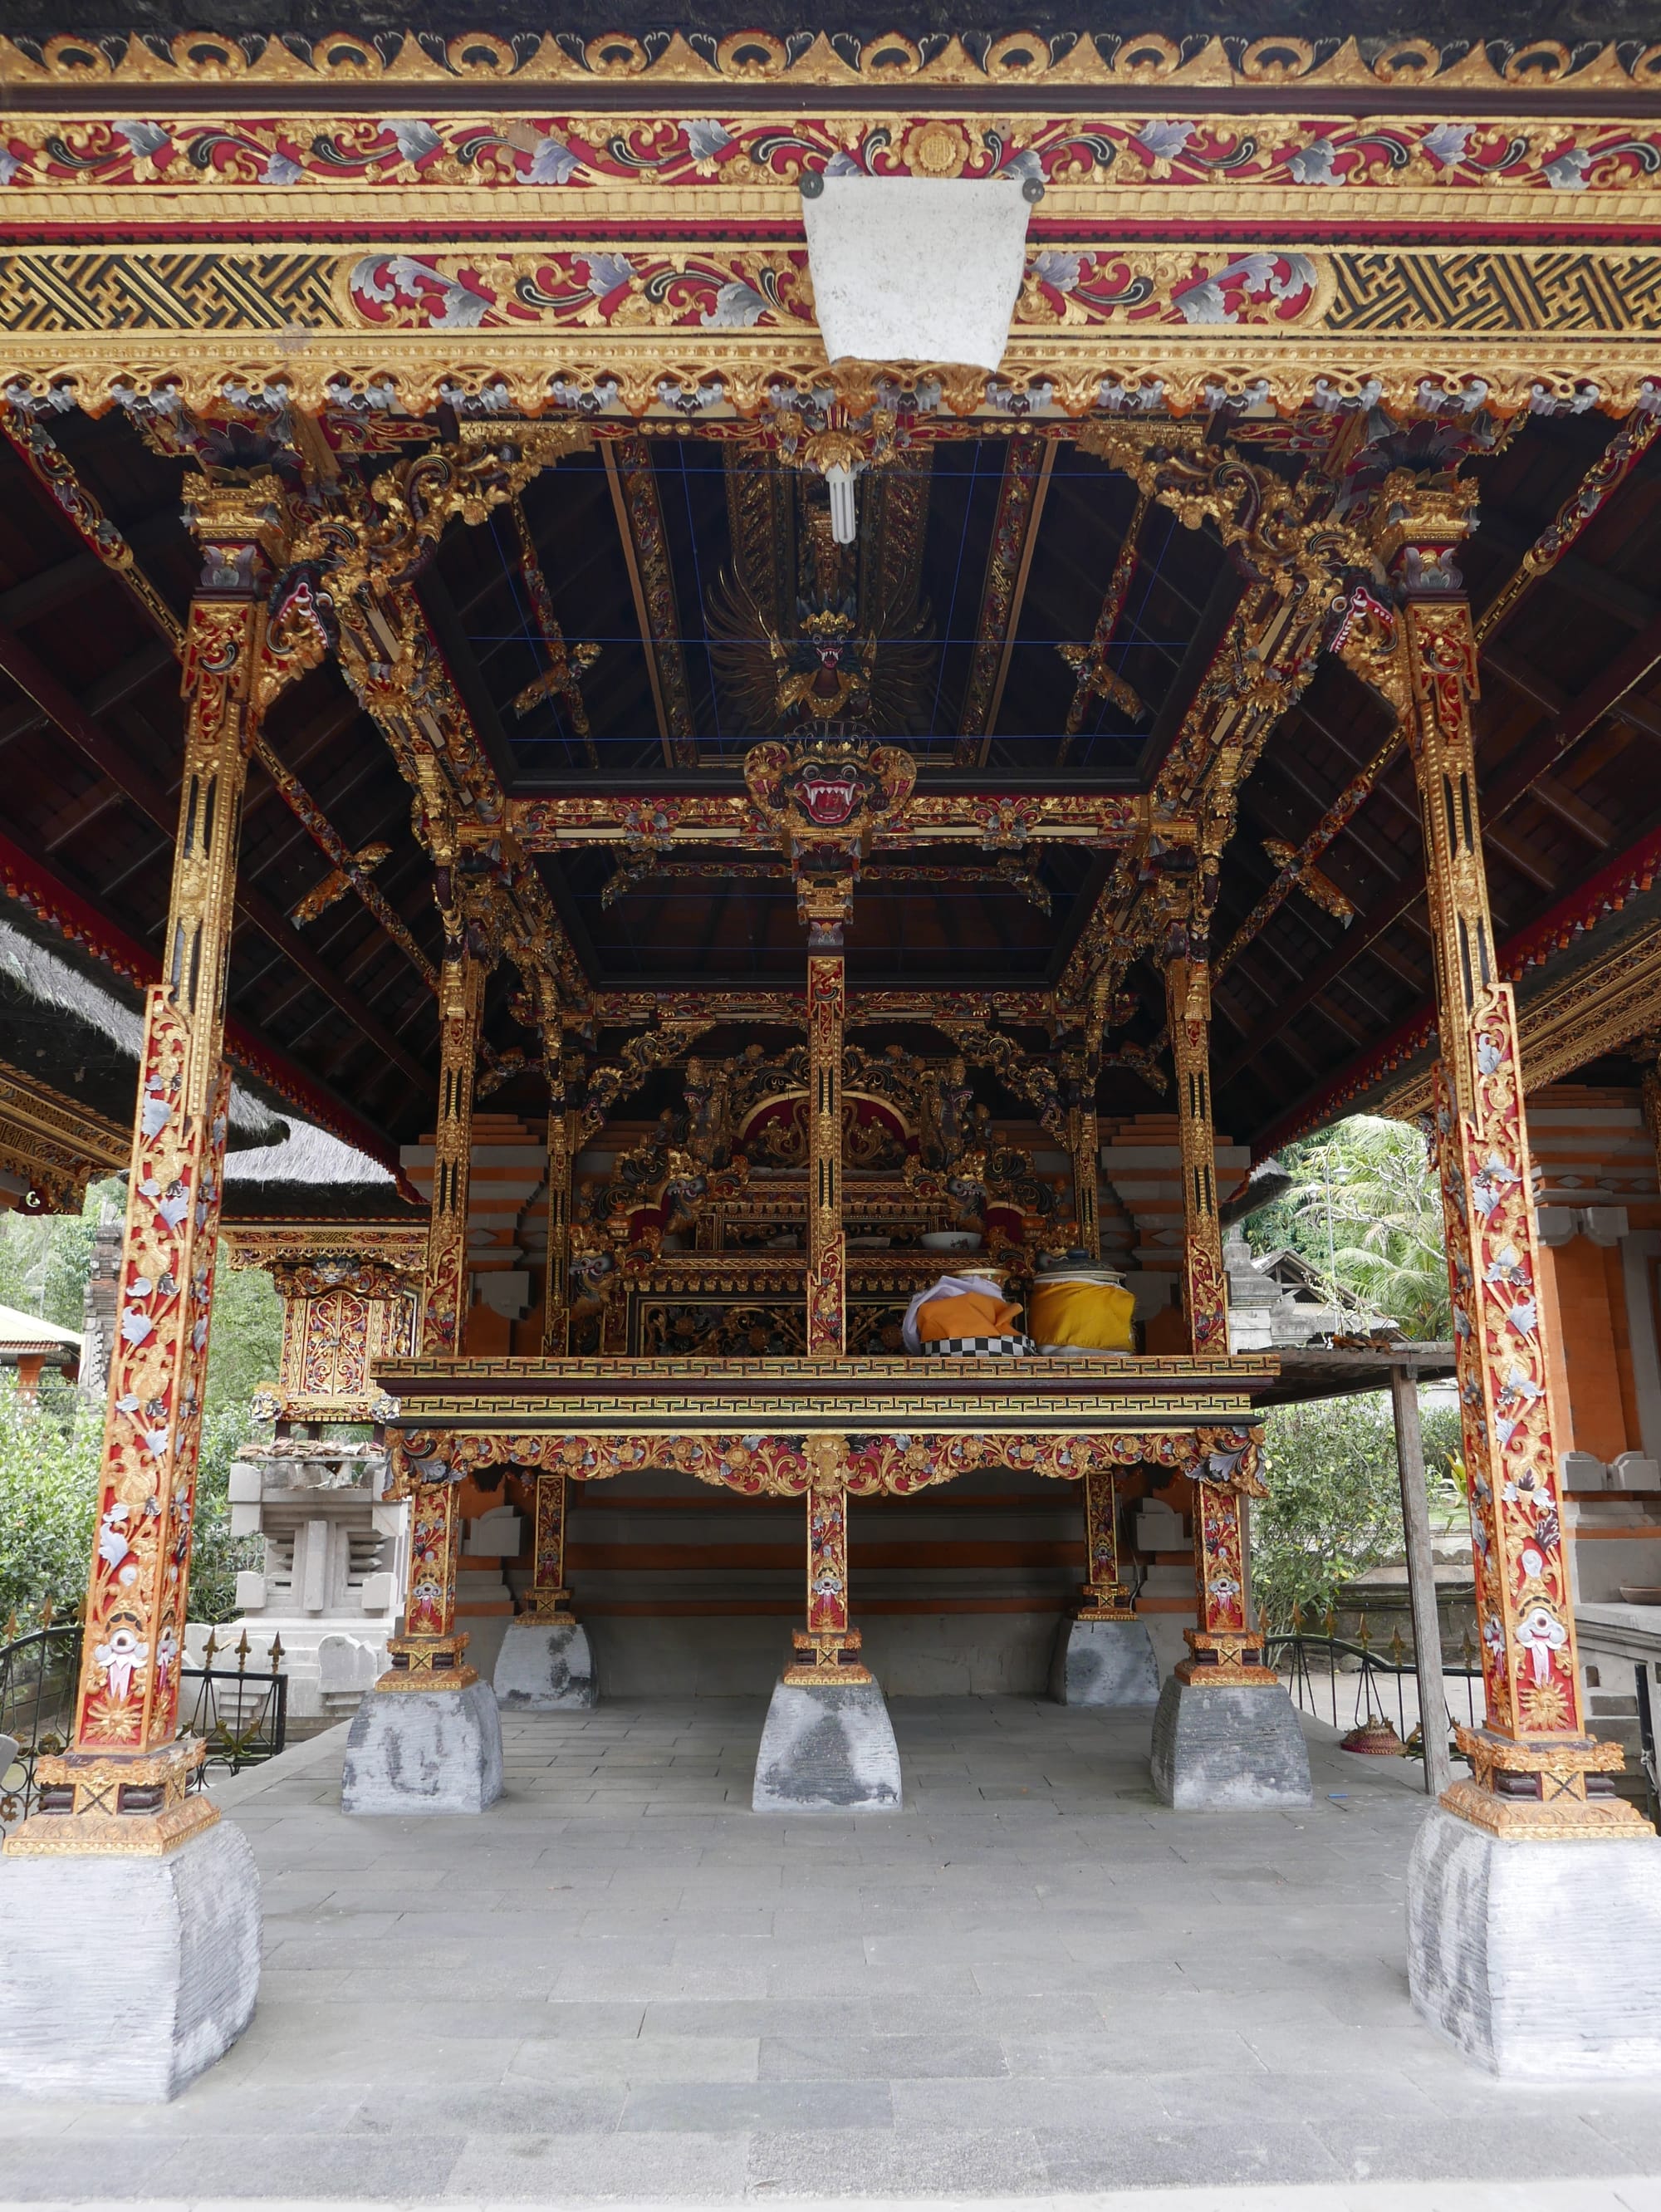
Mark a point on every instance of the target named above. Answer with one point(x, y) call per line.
point(788, 694)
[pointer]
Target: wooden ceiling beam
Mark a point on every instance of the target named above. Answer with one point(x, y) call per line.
point(1573, 573)
point(633, 478)
point(1569, 807)
point(1021, 497)
point(1572, 720)
point(1574, 715)
point(1416, 978)
point(1520, 853)
point(59, 705)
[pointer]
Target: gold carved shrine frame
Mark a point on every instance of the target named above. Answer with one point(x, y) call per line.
point(631, 237)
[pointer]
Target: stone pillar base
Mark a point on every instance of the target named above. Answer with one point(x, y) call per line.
point(1225, 1748)
point(545, 1666)
point(1538, 1959)
point(424, 1751)
point(828, 1747)
point(125, 1975)
point(1104, 1662)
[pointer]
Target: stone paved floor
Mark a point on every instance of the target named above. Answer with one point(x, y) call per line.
point(1033, 1981)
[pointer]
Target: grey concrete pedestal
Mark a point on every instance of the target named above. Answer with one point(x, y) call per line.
point(1226, 1749)
point(1104, 1662)
point(546, 1666)
point(825, 1748)
point(1539, 1959)
point(124, 1977)
point(424, 1751)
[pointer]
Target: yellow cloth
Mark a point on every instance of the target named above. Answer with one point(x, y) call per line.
point(975, 1313)
point(1094, 1317)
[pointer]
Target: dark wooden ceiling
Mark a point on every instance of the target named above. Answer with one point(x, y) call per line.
point(91, 716)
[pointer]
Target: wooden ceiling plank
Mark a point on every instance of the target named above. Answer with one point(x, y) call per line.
point(1021, 497)
point(633, 483)
point(86, 924)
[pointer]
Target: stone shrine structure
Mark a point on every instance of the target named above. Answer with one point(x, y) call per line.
point(587, 642)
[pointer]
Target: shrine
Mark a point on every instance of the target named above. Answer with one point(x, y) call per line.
point(783, 700)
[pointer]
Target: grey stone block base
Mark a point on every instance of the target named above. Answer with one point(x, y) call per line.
point(424, 1751)
point(1227, 1749)
point(1104, 1662)
point(1537, 1959)
point(827, 1749)
point(546, 1667)
point(124, 1977)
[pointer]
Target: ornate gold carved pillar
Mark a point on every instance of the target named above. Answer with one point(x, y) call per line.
point(1104, 1595)
point(121, 1785)
point(829, 1650)
point(461, 1008)
point(1536, 1771)
point(1084, 1143)
point(428, 1654)
point(826, 799)
point(556, 1308)
point(1222, 1650)
point(1188, 997)
point(826, 1235)
point(548, 1599)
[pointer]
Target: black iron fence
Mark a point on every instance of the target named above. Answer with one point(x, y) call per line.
point(1349, 1682)
point(240, 1710)
point(38, 1676)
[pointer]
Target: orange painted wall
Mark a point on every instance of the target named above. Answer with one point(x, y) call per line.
point(1597, 1406)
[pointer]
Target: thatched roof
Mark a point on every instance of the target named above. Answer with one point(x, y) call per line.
point(306, 1155)
point(64, 1026)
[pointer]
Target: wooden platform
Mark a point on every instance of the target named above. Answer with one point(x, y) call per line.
point(1013, 1397)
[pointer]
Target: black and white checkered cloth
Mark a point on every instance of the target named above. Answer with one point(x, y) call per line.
point(982, 1347)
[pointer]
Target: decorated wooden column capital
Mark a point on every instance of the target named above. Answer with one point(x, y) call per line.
point(122, 1785)
point(1535, 1770)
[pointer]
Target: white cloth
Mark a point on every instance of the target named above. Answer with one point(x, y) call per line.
point(949, 1286)
point(917, 268)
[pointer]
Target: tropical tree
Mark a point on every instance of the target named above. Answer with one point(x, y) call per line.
point(1334, 1507)
point(1365, 1211)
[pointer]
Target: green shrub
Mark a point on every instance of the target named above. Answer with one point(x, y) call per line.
point(1334, 1503)
point(50, 1451)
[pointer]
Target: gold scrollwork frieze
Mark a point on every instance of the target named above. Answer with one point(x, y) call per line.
point(546, 321)
point(104, 70)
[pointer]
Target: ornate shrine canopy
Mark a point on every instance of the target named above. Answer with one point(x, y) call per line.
point(1334, 254)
